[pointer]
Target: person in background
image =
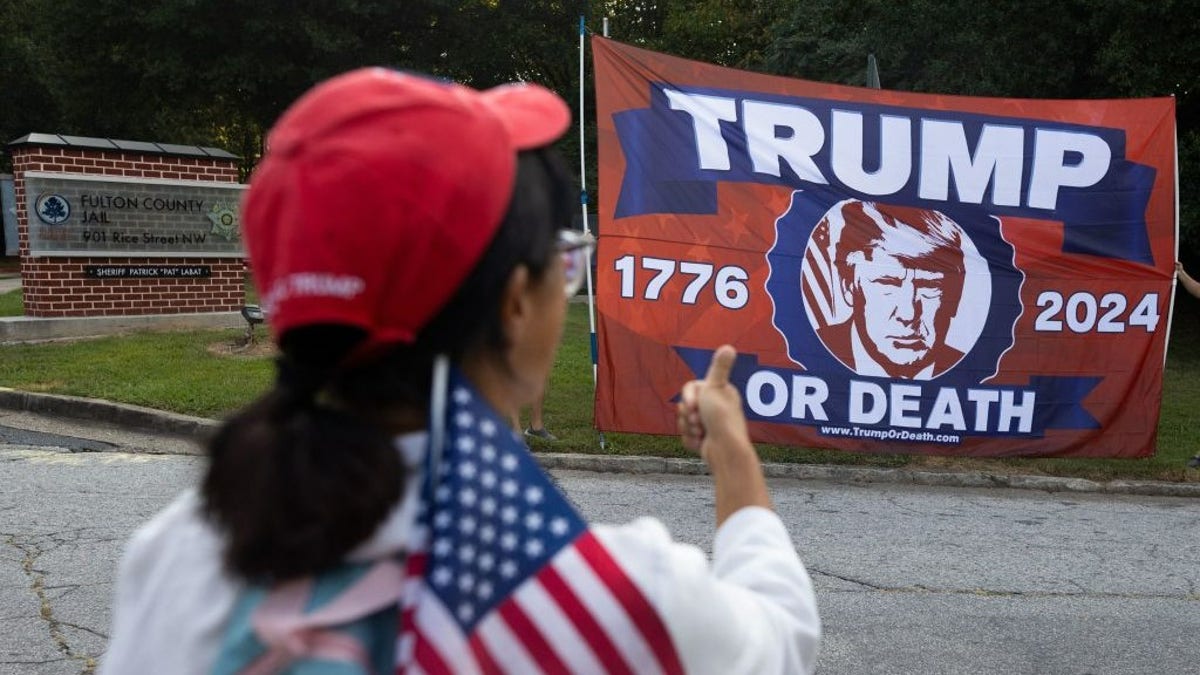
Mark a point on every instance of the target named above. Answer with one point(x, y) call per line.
point(1191, 286)
point(405, 236)
point(537, 424)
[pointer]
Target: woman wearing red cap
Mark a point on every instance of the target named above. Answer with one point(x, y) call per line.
point(404, 235)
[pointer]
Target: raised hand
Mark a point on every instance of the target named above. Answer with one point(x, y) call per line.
point(709, 414)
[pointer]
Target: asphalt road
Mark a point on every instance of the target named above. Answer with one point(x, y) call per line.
point(909, 580)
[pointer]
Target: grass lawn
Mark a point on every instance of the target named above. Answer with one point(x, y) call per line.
point(11, 304)
point(169, 371)
point(181, 372)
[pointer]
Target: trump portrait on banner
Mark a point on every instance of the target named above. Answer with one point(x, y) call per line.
point(899, 273)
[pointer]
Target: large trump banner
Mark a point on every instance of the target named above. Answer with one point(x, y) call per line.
point(899, 272)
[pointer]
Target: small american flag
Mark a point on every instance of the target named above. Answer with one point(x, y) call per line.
point(506, 577)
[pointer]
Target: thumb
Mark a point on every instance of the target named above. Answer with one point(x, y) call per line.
point(721, 364)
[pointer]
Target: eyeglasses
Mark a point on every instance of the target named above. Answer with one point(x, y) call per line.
point(575, 247)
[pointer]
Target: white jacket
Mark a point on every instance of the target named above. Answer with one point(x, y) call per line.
point(751, 611)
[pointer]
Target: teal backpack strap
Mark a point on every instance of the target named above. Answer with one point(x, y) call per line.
point(341, 621)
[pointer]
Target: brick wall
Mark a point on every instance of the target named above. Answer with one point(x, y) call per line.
point(57, 286)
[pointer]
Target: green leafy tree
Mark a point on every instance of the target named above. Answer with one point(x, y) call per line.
point(219, 72)
point(209, 71)
point(26, 86)
point(1030, 49)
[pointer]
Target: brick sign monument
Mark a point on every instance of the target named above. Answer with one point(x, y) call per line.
point(109, 227)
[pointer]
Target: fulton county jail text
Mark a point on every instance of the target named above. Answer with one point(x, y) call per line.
point(88, 201)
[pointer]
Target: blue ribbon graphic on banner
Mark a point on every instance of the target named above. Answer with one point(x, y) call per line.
point(664, 174)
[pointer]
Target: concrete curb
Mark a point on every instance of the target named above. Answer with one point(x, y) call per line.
point(158, 421)
point(862, 474)
point(130, 416)
point(32, 329)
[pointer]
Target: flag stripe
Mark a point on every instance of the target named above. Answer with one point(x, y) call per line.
point(539, 648)
point(819, 264)
point(437, 629)
point(505, 647)
point(817, 289)
point(544, 610)
point(407, 635)
point(585, 623)
point(643, 614)
point(823, 315)
point(818, 269)
point(404, 648)
point(416, 563)
point(427, 658)
point(483, 657)
point(601, 604)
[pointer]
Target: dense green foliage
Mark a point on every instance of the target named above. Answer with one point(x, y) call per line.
point(218, 72)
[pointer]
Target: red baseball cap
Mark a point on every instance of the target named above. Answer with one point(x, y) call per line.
point(379, 192)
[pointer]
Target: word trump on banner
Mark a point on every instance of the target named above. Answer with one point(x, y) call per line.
point(944, 150)
point(900, 272)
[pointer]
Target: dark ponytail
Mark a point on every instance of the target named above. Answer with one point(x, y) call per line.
point(303, 475)
point(294, 484)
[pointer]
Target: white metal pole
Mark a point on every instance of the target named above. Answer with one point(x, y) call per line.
point(1174, 277)
point(583, 206)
